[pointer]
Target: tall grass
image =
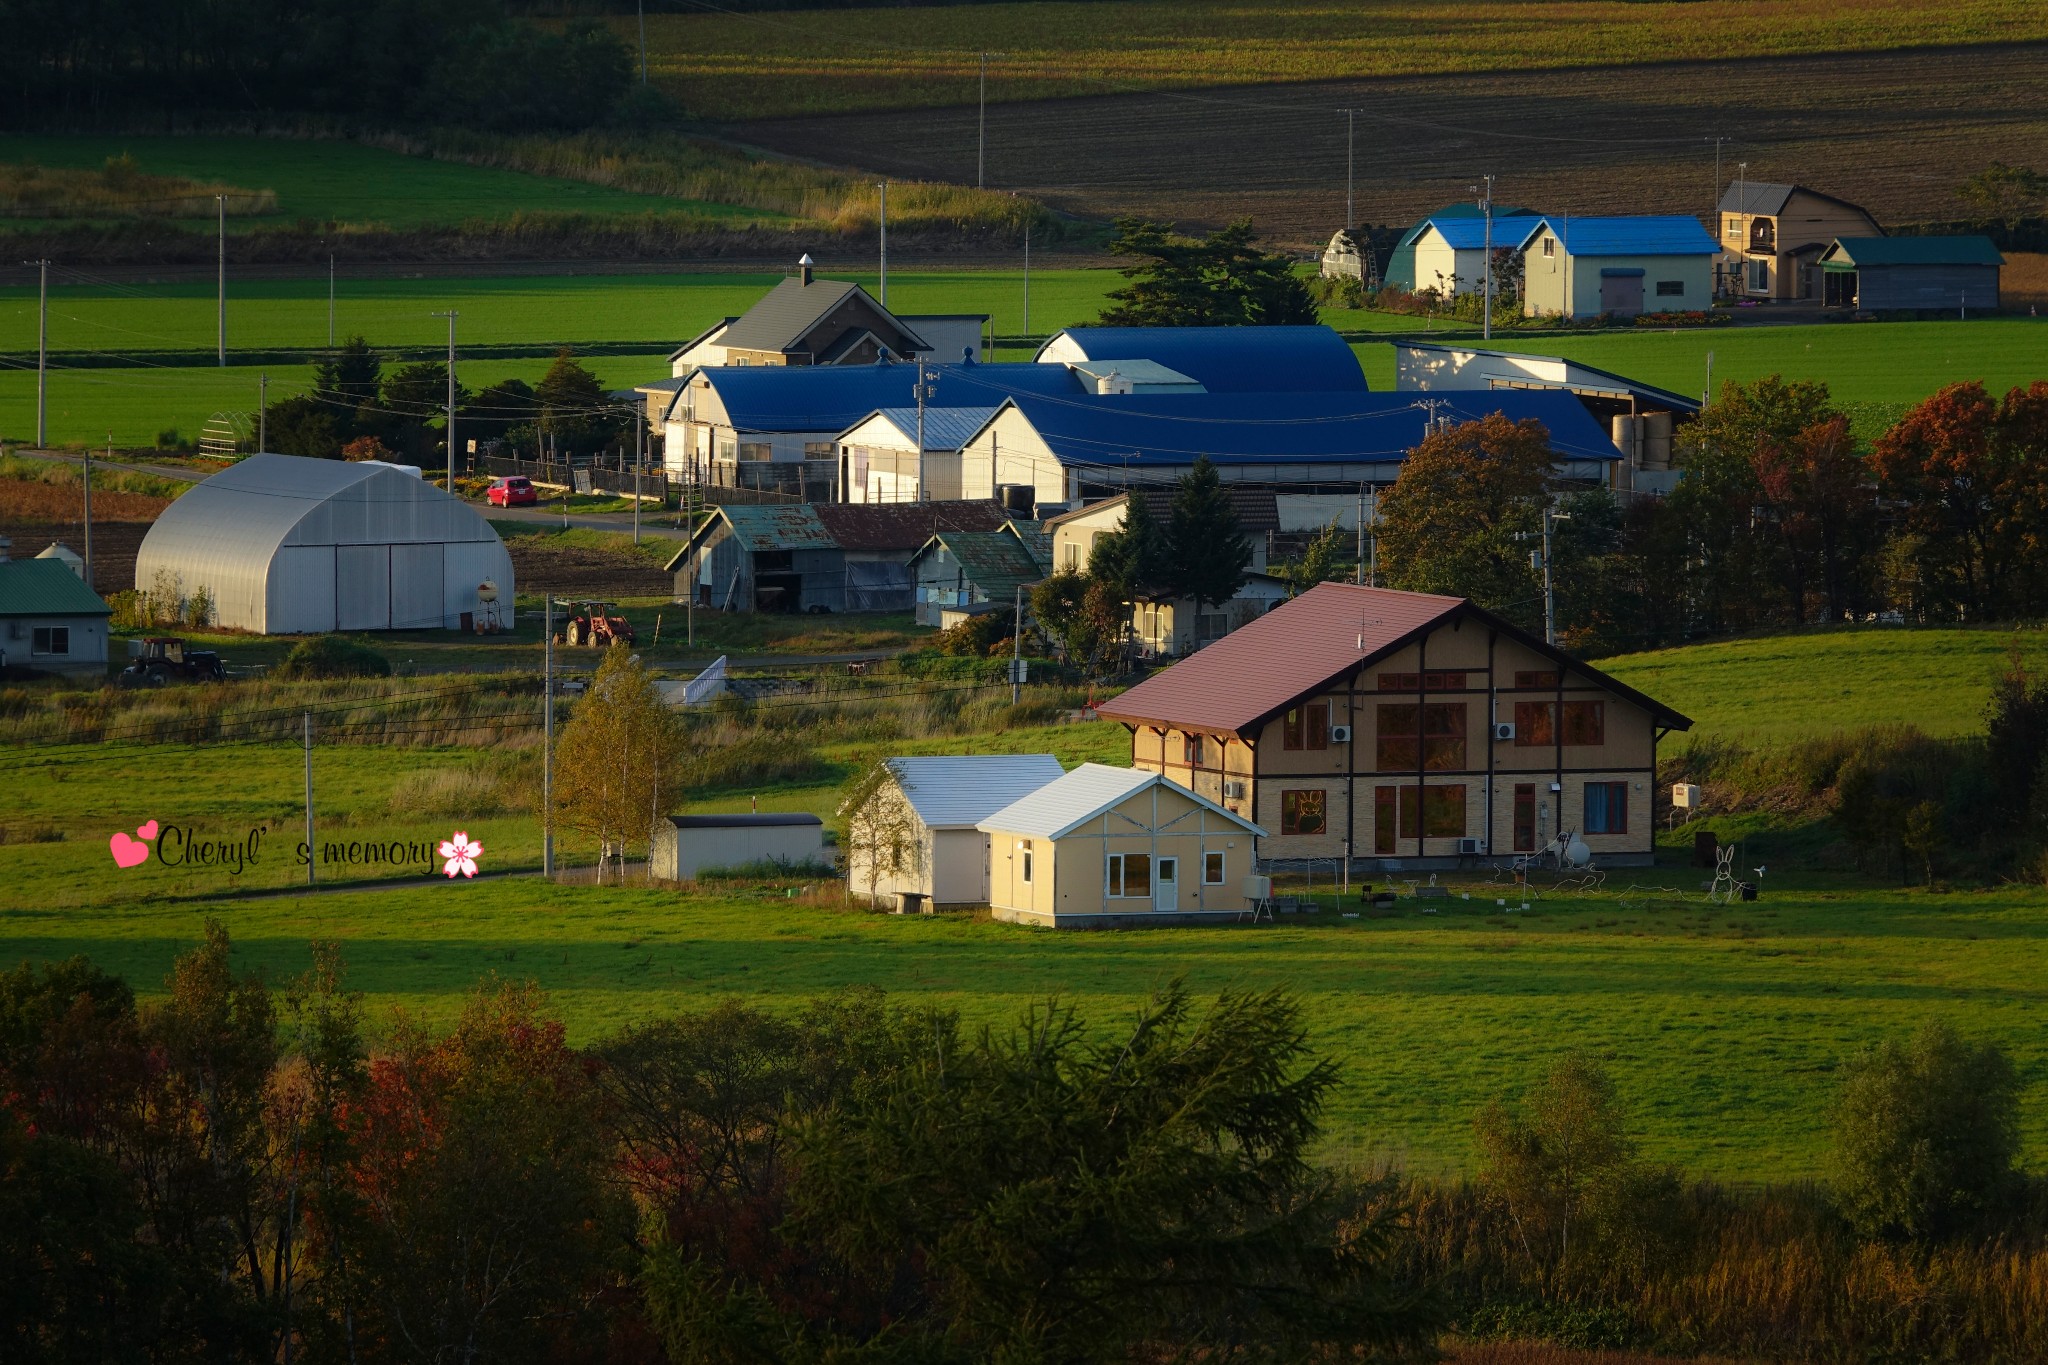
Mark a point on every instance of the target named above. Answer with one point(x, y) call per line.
point(1770, 1273)
point(694, 169)
point(119, 189)
point(65, 474)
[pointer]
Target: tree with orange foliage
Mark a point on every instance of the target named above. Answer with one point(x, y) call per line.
point(1970, 476)
point(1817, 491)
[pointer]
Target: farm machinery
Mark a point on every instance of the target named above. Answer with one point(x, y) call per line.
point(161, 659)
point(597, 625)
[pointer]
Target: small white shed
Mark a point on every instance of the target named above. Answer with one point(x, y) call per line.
point(685, 845)
point(943, 798)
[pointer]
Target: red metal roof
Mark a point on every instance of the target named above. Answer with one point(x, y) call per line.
point(1289, 652)
point(1300, 647)
point(903, 525)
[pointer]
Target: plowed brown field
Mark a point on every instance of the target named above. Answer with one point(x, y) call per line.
point(1893, 131)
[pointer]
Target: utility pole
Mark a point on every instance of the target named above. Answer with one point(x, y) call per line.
point(641, 8)
point(547, 747)
point(1742, 207)
point(924, 391)
point(1486, 266)
point(883, 188)
point(1358, 575)
point(310, 857)
point(262, 413)
point(221, 203)
point(1541, 559)
point(981, 131)
point(42, 354)
point(1027, 283)
point(330, 301)
point(451, 315)
point(1707, 395)
point(1017, 648)
point(1350, 167)
point(639, 459)
point(88, 506)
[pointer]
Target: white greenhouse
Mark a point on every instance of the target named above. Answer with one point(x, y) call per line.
point(287, 545)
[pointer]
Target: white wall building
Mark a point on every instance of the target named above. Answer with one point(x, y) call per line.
point(941, 799)
point(289, 545)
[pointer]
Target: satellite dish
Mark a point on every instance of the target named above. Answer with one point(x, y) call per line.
point(1576, 853)
point(487, 591)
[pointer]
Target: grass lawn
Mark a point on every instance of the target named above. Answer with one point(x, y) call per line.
point(1881, 366)
point(1721, 1025)
point(1779, 687)
point(732, 65)
point(348, 182)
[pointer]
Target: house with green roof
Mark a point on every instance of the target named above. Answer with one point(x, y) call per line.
point(960, 573)
point(49, 620)
point(1895, 274)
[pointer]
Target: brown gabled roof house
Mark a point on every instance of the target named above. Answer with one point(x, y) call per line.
point(1379, 726)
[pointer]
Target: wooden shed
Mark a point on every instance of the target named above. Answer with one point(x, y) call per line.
point(1109, 847)
point(1898, 274)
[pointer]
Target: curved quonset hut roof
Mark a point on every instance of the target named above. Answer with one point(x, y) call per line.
point(278, 539)
point(1224, 359)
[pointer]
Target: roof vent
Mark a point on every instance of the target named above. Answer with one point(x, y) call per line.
point(803, 269)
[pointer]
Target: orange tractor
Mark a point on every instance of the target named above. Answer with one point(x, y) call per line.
point(597, 625)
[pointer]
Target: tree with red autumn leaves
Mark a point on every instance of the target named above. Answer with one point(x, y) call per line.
point(1968, 475)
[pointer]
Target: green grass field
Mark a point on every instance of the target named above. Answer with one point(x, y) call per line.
point(1722, 1024)
point(1781, 687)
point(348, 182)
point(1878, 368)
point(729, 65)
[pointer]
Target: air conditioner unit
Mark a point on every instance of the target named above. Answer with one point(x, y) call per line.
point(1468, 846)
point(1233, 791)
point(1503, 731)
point(1340, 734)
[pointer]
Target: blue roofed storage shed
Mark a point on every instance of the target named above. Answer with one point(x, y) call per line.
point(1588, 267)
point(1223, 359)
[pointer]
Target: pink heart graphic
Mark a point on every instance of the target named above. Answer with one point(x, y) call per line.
point(127, 852)
point(147, 832)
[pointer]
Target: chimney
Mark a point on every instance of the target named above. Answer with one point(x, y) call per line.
point(803, 269)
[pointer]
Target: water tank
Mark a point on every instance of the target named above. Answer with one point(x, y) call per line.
point(1019, 499)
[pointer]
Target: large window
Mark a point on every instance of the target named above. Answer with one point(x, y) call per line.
point(1585, 722)
point(756, 450)
point(1403, 813)
point(1525, 817)
point(1304, 812)
point(1440, 741)
point(1448, 681)
point(1130, 874)
point(51, 640)
point(1606, 808)
point(819, 450)
point(1306, 727)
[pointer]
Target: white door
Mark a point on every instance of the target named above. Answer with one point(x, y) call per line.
point(418, 585)
point(1166, 884)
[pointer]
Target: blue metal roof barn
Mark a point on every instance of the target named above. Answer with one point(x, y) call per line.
point(1223, 359)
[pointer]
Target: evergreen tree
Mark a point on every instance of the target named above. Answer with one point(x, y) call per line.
point(350, 377)
point(1223, 279)
point(575, 412)
point(1207, 554)
point(1131, 560)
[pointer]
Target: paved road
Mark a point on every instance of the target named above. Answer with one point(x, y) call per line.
point(161, 471)
point(650, 524)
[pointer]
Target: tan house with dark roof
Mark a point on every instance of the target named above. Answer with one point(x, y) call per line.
point(1772, 237)
point(1369, 724)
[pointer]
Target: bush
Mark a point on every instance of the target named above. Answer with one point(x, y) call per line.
point(976, 637)
point(1925, 1134)
point(331, 656)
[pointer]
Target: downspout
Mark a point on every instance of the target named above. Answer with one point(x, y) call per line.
point(1492, 719)
point(1421, 743)
point(1557, 749)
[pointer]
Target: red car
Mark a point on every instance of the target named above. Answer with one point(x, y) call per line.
point(513, 492)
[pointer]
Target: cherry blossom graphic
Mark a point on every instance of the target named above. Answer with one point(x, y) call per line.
point(461, 854)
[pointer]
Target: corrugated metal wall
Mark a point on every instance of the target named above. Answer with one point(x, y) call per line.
point(1886, 287)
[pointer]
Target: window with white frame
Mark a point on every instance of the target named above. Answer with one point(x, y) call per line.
point(1130, 874)
point(1024, 852)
